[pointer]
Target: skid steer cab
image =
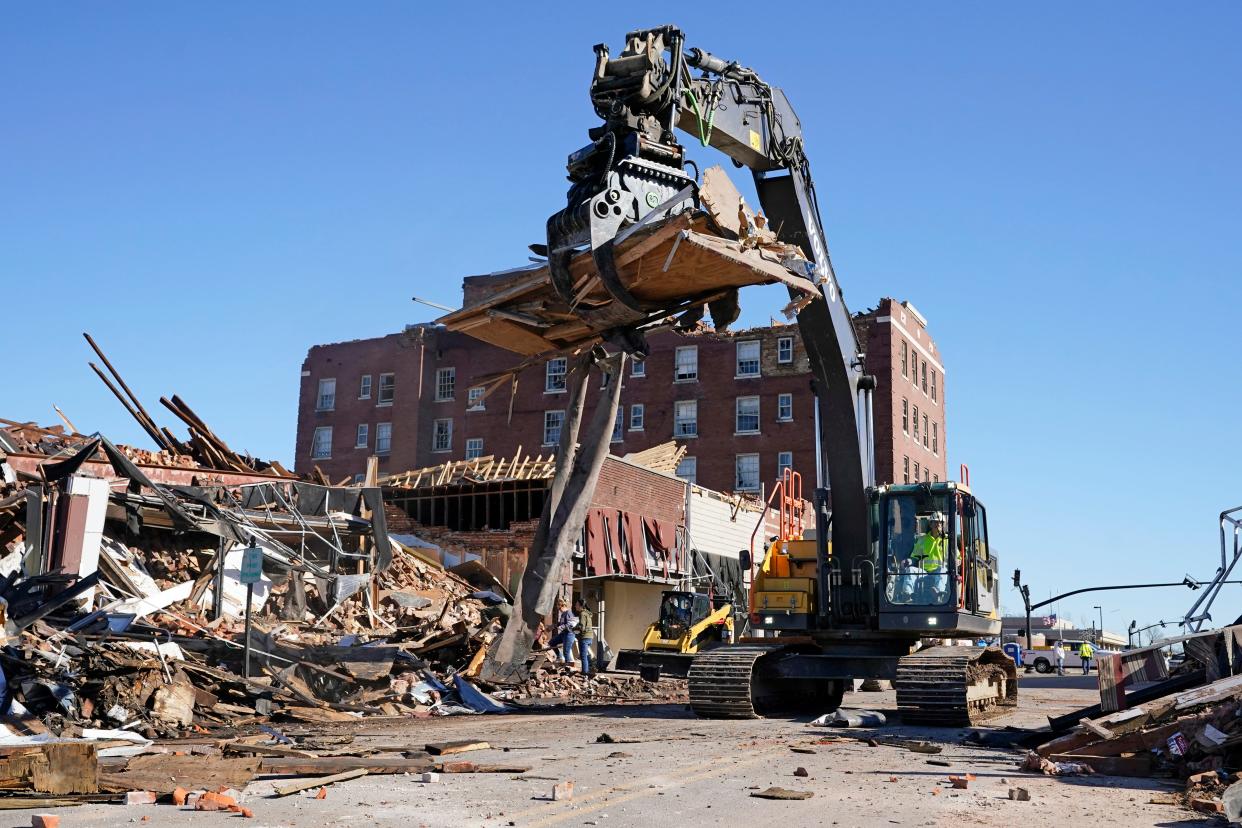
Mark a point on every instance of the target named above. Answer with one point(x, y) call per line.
point(689, 622)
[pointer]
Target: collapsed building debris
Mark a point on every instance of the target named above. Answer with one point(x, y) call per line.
point(123, 604)
point(1184, 725)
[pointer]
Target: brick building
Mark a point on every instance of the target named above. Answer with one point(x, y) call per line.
point(740, 401)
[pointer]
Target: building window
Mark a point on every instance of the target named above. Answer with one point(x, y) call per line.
point(747, 415)
point(364, 387)
point(936, 439)
point(554, 375)
point(924, 372)
point(914, 369)
point(446, 384)
point(905, 415)
point(905, 469)
point(638, 413)
point(925, 430)
point(618, 425)
point(327, 395)
point(916, 425)
point(474, 398)
point(916, 471)
point(748, 358)
point(383, 438)
point(784, 462)
point(926, 476)
point(638, 367)
point(784, 349)
point(686, 364)
point(746, 473)
point(686, 418)
point(442, 435)
point(388, 385)
point(784, 407)
point(362, 438)
point(552, 422)
point(474, 448)
point(904, 353)
point(321, 445)
point(933, 385)
point(688, 469)
point(935, 478)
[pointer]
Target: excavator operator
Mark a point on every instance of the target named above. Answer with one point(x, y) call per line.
point(929, 556)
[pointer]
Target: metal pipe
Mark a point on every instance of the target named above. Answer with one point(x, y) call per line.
point(870, 439)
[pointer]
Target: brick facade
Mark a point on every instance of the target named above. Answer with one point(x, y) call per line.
point(512, 416)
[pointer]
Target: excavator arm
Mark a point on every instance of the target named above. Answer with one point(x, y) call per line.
point(635, 167)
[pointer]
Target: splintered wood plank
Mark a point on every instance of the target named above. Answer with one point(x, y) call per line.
point(461, 746)
point(293, 766)
point(307, 784)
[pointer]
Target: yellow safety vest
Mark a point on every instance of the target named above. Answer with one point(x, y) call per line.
point(929, 553)
point(1086, 650)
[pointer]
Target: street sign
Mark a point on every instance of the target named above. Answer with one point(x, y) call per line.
point(252, 565)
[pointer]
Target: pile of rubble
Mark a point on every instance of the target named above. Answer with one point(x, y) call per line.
point(124, 602)
point(1182, 726)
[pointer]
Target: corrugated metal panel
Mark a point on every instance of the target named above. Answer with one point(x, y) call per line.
point(714, 527)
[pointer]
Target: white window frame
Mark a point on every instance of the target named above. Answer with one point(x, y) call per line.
point(784, 408)
point(638, 417)
point(446, 384)
point(784, 350)
point(638, 368)
point(753, 364)
point(679, 420)
point(738, 484)
point(688, 469)
point(916, 423)
point(474, 448)
point(905, 415)
point(784, 460)
point(737, 415)
point(383, 438)
point(326, 400)
point(905, 468)
point(321, 438)
point(442, 428)
point(392, 389)
point(556, 376)
point(474, 398)
point(935, 438)
point(364, 387)
point(935, 397)
point(925, 430)
point(362, 435)
point(548, 416)
point(692, 354)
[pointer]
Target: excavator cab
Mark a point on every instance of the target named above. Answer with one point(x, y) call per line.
point(939, 576)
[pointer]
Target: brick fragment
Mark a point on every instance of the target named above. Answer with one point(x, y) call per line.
point(563, 791)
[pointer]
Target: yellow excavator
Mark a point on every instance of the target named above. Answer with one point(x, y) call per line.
point(688, 624)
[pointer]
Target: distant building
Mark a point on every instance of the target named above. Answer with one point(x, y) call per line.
point(741, 402)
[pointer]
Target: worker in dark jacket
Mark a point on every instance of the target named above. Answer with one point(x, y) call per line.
point(586, 633)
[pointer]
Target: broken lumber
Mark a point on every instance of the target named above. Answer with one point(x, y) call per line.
point(445, 748)
point(320, 782)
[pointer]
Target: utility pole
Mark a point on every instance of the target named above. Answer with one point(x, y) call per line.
point(1099, 639)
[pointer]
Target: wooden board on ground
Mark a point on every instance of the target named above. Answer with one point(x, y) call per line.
point(293, 766)
point(164, 773)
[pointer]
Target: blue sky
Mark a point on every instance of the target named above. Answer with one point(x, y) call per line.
point(210, 189)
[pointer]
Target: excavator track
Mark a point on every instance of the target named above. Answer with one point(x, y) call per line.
point(955, 686)
point(722, 681)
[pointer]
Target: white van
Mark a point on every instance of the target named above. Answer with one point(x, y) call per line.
point(1044, 661)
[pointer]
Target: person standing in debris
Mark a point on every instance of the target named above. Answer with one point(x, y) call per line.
point(564, 637)
point(1085, 652)
point(586, 633)
point(1058, 653)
